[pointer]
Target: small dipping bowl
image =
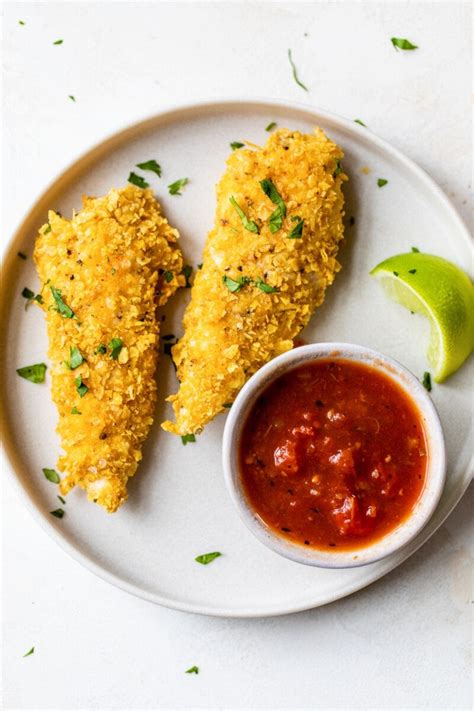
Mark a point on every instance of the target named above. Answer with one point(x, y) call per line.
point(435, 469)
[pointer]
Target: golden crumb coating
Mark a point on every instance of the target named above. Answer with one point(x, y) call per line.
point(231, 331)
point(104, 272)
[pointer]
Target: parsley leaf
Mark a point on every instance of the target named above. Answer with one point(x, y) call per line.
point(427, 381)
point(295, 75)
point(402, 43)
point(75, 411)
point(52, 475)
point(276, 218)
point(151, 165)
point(187, 271)
point(61, 307)
point(297, 230)
point(21, 255)
point(206, 558)
point(115, 345)
point(249, 225)
point(361, 123)
point(188, 438)
point(175, 187)
point(137, 180)
point(75, 358)
point(192, 670)
point(381, 182)
point(263, 286)
point(32, 649)
point(236, 144)
point(33, 373)
point(58, 42)
point(235, 285)
point(58, 513)
point(271, 126)
point(80, 386)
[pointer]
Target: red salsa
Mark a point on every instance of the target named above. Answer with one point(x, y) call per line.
point(333, 454)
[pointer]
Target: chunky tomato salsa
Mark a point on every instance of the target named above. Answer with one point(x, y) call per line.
point(333, 454)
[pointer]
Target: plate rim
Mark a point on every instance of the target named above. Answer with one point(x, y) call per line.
point(115, 139)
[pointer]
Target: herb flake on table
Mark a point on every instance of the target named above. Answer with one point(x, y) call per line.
point(361, 123)
point(61, 307)
point(402, 43)
point(188, 438)
point(297, 231)
point(192, 670)
point(57, 513)
point(381, 182)
point(236, 144)
point(174, 188)
point(75, 358)
point(151, 165)
point(249, 225)
point(60, 41)
point(34, 373)
point(270, 126)
point(295, 73)
point(81, 387)
point(73, 98)
point(32, 650)
point(137, 180)
point(51, 475)
point(115, 345)
point(277, 217)
point(206, 558)
point(427, 381)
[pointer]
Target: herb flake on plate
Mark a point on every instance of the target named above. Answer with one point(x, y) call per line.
point(73, 98)
point(361, 123)
point(60, 41)
point(188, 438)
point(295, 73)
point(75, 411)
point(174, 188)
point(206, 558)
point(57, 513)
point(32, 650)
point(381, 182)
point(236, 144)
point(22, 255)
point(192, 670)
point(427, 381)
point(402, 43)
point(249, 225)
point(34, 373)
point(270, 126)
point(137, 180)
point(151, 165)
point(51, 475)
point(277, 217)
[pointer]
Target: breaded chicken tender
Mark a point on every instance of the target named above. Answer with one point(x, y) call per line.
point(104, 272)
point(266, 266)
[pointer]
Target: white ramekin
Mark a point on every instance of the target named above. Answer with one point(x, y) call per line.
point(435, 475)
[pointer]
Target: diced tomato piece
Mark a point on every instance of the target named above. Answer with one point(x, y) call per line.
point(286, 457)
point(385, 479)
point(349, 518)
point(343, 459)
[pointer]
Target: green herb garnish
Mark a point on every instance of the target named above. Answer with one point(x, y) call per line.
point(381, 182)
point(58, 513)
point(80, 386)
point(75, 411)
point(200, 266)
point(58, 42)
point(401, 43)
point(32, 649)
point(192, 670)
point(33, 373)
point(73, 98)
point(168, 276)
point(188, 438)
point(235, 284)
point(175, 187)
point(249, 225)
point(63, 501)
point(102, 348)
point(295, 75)
point(227, 405)
point(206, 558)
point(115, 345)
point(338, 168)
point(271, 126)
point(22, 255)
point(415, 249)
point(412, 271)
point(427, 381)
point(61, 307)
point(276, 218)
point(297, 230)
point(263, 286)
point(52, 475)
point(75, 358)
point(28, 294)
point(187, 271)
point(20, 22)
point(236, 144)
point(137, 180)
point(47, 229)
point(361, 123)
point(395, 273)
point(151, 165)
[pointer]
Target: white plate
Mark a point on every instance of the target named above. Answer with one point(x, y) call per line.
point(178, 506)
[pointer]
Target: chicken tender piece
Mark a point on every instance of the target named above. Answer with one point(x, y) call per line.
point(264, 272)
point(104, 272)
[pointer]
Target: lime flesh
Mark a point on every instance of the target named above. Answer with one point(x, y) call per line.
point(441, 291)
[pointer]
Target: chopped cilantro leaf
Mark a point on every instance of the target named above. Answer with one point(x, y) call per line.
point(381, 182)
point(27, 293)
point(235, 285)
point(187, 271)
point(115, 345)
point(20, 22)
point(51, 475)
point(58, 513)
point(80, 386)
point(249, 225)
point(75, 358)
point(73, 98)
point(174, 188)
point(188, 438)
point(263, 286)
point(33, 373)
point(271, 126)
point(192, 670)
point(22, 255)
point(137, 180)
point(297, 230)
point(276, 218)
point(427, 381)
point(168, 276)
point(402, 43)
point(58, 42)
point(75, 411)
point(361, 123)
point(295, 74)
point(206, 558)
point(151, 165)
point(31, 651)
point(415, 249)
point(236, 144)
point(61, 307)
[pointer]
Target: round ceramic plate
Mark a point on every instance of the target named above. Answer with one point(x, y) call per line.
point(178, 506)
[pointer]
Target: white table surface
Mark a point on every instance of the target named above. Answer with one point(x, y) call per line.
point(405, 641)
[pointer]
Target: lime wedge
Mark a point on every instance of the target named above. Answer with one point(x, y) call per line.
point(441, 291)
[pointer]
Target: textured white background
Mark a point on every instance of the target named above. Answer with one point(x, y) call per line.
point(405, 641)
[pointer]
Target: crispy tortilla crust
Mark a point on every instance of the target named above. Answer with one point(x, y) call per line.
point(108, 263)
point(228, 336)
